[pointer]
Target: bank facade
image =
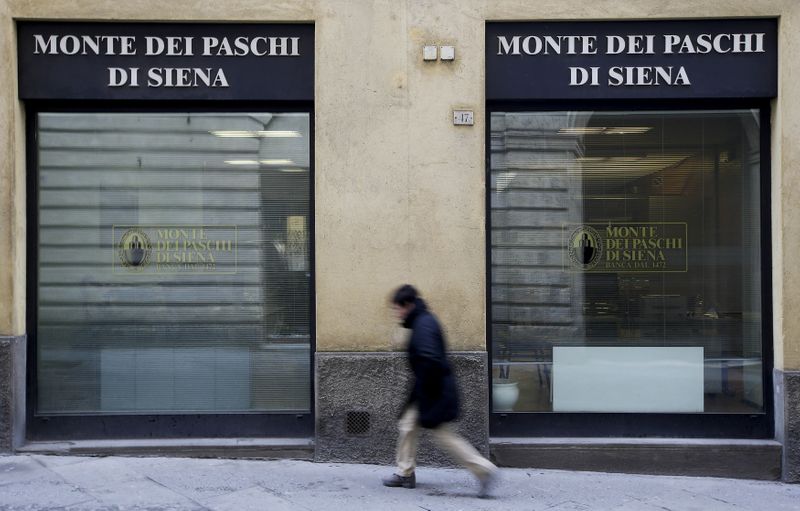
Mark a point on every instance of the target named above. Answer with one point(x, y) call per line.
point(204, 212)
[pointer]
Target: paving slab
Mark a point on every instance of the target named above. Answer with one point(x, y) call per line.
point(143, 494)
point(95, 473)
point(46, 491)
point(636, 505)
point(252, 499)
point(207, 478)
point(753, 496)
point(38, 482)
point(15, 469)
point(58, 461)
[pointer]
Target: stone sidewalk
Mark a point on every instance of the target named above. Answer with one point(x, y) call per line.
point(116, 483)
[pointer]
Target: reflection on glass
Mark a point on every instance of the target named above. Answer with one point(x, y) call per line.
point(626, 230)
point(173, 263)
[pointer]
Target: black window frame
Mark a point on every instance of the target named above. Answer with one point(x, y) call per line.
point(42, 427)
point(675, 425)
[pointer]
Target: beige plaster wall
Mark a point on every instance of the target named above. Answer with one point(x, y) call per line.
point(786, 194)
point(399, 189)
point(12, 186)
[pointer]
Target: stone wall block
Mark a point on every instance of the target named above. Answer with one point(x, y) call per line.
point(12, 392)
point(377, 384)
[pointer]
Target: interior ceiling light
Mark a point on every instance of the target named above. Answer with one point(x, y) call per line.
point(292, 171)
point(586, 130)
point(627, 130)
point(617, 164)
point(277, 162)
point(583, 164)
point(611, 197)
point(241, 162)
point(256, 134)
point(602, 130)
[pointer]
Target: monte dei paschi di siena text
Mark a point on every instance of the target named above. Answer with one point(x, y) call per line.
point(646, 44)
point(167, 46)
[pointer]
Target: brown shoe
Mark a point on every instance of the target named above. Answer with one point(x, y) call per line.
point(396, 481)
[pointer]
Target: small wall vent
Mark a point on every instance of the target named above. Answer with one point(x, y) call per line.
point(357, 423)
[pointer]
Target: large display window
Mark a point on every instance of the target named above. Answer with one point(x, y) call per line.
point(626, 274)
point(173, 273)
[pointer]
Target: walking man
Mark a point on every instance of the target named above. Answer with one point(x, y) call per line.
point(433, 402)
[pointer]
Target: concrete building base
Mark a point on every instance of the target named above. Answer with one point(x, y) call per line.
point(360, 396)
point(787, 422)
point(243, 448)
point(12, 392)
point(743, 459)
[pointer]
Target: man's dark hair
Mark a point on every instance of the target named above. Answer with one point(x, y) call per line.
point(404, 295)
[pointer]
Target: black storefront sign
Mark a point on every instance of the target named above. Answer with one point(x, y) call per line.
point(631, 60)
point(137, 61)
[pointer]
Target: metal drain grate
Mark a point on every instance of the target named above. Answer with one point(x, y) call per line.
point(357, 423)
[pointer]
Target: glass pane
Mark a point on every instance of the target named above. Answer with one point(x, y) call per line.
point(173, 259)
point(625, 262)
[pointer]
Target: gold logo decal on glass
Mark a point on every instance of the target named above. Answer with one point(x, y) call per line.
point(585, 248)
point(657, 247)
point(134, 249)
point(185, 249)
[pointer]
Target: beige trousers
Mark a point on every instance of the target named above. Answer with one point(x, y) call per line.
point(445, 437)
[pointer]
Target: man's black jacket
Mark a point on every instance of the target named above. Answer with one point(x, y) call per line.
point(434, 391)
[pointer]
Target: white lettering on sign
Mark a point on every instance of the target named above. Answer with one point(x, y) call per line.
point(120, 77)
point(720, 43)
point(580, 76)
point(632, 44)
point(168, 77)
point(83, 45)
point(186, 77)
point(635, 44)
point(548, 45)
point(258, 46)
point(169, 46)
point(641, 75)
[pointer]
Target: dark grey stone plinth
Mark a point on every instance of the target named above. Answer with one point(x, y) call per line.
point(787, 422)
point(12, 392)
point(744, 459)
point(377, 384)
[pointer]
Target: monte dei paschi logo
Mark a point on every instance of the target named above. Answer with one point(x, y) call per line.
point(625, 247)
point(175, 249)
